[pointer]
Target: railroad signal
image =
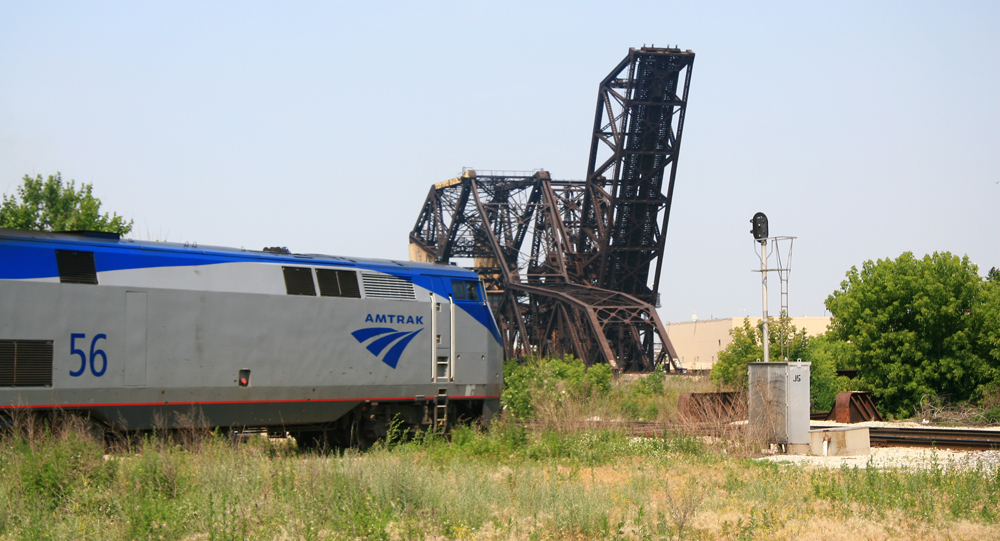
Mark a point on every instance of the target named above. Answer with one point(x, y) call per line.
point(759, 223)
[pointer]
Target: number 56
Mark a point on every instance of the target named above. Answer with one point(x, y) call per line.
point(93, 354)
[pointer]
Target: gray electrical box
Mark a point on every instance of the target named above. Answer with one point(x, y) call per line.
point(779, 404)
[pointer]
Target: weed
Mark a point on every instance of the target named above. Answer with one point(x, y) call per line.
point(505, 482)
point(758, 523)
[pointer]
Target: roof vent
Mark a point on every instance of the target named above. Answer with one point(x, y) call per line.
point(338, 283)
point(107, 235)
point(76, 267)
point(386, 286)
point(299, 281)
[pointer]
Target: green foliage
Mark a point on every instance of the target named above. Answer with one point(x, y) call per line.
point(643, 398)
point(919, 328)
point(969, 493)
point(52, 474)
point(827, 355)
point(51, 205)
point(559, 379)
point(731, 368)
point(517, 380)
point(565, 389)
point(746, 347)
point(988, 319)
point(507, 441)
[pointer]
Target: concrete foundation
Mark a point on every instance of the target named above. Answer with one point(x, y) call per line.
point(846, 441)
point(798, 449)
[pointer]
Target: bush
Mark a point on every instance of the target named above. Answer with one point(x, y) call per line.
point(564, 388)
point(553, 378)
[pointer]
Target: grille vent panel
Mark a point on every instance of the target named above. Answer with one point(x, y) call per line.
point(299, 281)
point(25, 363)
point(338, 283)
point(6, 363)
point(349, 284)
point(76, 267)
point(385, 286)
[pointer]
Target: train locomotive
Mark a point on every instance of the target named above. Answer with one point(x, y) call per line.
point(151, 335)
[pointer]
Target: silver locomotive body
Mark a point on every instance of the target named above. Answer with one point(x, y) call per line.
point(140, 335)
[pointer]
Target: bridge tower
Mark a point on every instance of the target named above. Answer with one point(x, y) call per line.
point(567, 264)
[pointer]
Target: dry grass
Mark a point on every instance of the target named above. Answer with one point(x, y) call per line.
point(942, 412)
point(508, 483)
point(628, 400)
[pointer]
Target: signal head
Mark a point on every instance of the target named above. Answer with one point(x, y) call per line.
point(759, 230)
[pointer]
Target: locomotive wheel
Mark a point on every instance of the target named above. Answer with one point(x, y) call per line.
point(311, 440)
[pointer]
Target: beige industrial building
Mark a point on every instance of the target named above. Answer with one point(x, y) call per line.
point(698, 342)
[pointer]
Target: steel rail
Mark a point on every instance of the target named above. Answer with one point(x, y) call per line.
point(940, 438)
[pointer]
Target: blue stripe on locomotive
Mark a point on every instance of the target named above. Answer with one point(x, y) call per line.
point(21, 258)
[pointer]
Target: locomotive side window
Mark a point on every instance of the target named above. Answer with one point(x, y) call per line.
point(299, 281)
point(465, 290)
point(338, 283)
point(76, 267)
point(25, 363)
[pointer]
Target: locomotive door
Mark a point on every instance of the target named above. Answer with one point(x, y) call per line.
point(442, 336)
point(135, 339)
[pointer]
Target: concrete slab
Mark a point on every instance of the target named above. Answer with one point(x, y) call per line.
point(846, 441)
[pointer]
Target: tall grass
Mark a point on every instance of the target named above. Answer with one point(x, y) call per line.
point(60, 484)
point(505, 483)
point(930, 493)
point(563, 389)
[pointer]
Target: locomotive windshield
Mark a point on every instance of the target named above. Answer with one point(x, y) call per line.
point(465, 290)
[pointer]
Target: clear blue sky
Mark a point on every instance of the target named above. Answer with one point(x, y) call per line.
point(865, 129)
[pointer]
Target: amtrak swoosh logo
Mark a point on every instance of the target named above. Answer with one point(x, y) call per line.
point(383, 338)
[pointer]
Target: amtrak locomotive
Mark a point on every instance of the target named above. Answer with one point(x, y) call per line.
point(143, 335)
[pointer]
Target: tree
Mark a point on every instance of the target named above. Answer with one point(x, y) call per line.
point(989, 319)
point(822, 351)
point(827, 355)
point(51, 205)
point(915, 328)
point(731, 368)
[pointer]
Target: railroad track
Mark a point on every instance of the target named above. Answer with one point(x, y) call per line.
point(941, 438)
point(646, 429)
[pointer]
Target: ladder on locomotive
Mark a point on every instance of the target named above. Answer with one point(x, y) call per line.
point(443, 369)
point(441, 411)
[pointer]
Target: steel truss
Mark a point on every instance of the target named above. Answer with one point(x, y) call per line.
point(566, 264)
point(634, 146)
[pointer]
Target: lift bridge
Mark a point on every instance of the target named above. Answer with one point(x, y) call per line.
point(573, 267)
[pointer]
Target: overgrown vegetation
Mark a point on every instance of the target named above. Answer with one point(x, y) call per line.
point(565, 389)
point(504, 483)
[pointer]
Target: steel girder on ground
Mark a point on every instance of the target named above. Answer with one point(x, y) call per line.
point(567, 264)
